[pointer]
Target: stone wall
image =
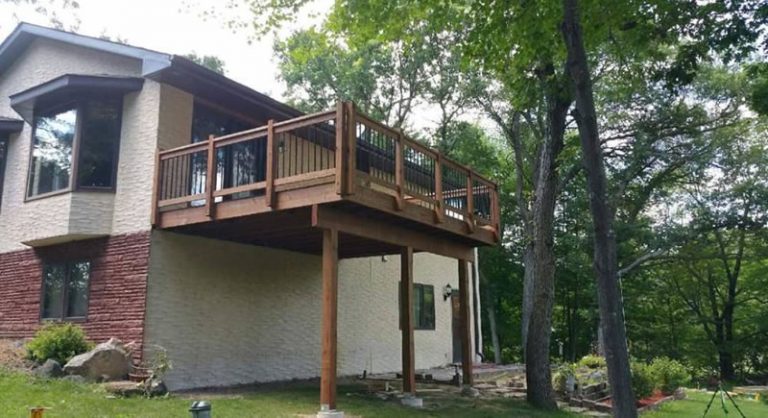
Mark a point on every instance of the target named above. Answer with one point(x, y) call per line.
point(117, 294)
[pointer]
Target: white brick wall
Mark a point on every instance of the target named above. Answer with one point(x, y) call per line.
point(230, 313)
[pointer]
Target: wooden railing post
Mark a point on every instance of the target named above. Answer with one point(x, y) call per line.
point(156, 188)
point(399, 171)
point(271, 173)
point(470, 215)
point(210, 176)
point(439, 208)
point(341, 160)
point(351, 142)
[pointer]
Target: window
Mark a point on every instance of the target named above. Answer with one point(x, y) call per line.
point(237, 164)
point(90, 128)
point(3, 157)
point(423, 306)
point(52, 144)
point(65, 290)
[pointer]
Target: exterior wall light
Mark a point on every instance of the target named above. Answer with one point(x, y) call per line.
point(200, 409)
point(447, 292)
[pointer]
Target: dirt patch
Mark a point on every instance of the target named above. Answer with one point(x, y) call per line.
point(12, 355)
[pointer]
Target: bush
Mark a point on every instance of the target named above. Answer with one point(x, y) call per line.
point(592, 361)
point(642, 379)
point(669, 374)
point(59, 342)
point(560, 378)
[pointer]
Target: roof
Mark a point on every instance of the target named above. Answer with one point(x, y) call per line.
point(10, 125)
point(25, 102)
point(168, 68)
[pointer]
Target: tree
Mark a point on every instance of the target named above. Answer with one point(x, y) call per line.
point(210, 62)
point(724, 238)
point(51, 10)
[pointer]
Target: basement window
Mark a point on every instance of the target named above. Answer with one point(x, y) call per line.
point(65, 290)
point(423, 306)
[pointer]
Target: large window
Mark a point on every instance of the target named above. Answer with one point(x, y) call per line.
point(90, 128)
point(65, 290)
point(237, 164)
point(3, 157)
point(423, 306)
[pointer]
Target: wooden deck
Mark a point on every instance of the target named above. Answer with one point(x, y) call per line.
point(281, 184)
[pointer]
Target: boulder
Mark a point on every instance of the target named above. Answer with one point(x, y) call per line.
point(107, 361)
point(48, 370)
point(74, 378)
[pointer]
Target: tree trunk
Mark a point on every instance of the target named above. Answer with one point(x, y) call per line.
point(494, 333)
point(605, 263)
point(528, 263)
point(537, 365)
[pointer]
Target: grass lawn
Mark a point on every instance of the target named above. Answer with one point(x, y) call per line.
point(696, 403)
point(18, 392)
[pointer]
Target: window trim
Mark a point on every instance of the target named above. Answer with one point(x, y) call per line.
point(78, 104)
point(65, 293)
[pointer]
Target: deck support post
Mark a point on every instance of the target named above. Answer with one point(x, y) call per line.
point(466, 336)
point(406, 317)
point(330, 301)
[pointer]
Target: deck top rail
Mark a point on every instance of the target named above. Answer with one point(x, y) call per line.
point(341, 146)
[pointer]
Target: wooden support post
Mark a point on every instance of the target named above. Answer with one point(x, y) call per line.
point(156, 188)
point(351, 141)
point(330, 296)
point(466, 337)
point(271, 169)
point(399, 171)
point(340, 152)
point(210, 179)
point(406, 317)
point(470, 216)
point(439, 209)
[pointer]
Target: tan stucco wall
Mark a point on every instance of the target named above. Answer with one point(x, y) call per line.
point(74, 215)
point(229, 313)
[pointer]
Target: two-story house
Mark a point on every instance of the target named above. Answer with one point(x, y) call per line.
point(150, 199)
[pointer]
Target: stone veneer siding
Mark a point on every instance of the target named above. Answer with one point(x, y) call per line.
point(117, 295)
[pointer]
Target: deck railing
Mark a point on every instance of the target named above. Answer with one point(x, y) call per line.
point(303, 151)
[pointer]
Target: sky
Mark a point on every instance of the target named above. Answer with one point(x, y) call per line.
point(171, 26)
point(177, 27)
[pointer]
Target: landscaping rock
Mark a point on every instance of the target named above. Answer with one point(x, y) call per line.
point(108, 361)
point(74, 378)
point(157, 388)
point(124, 388)
point(470, 392)
point(679, 394)
point(49, 370)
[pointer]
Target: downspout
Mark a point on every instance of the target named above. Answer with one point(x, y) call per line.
point(476, 308)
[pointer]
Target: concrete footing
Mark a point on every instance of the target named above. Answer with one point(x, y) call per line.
point(412, 401)
point(330, 414)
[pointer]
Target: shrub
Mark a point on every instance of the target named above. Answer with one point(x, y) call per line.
point(560, 378)
point(642, 379)
point(59, 342)
point(669, 374)
point(592, 361)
